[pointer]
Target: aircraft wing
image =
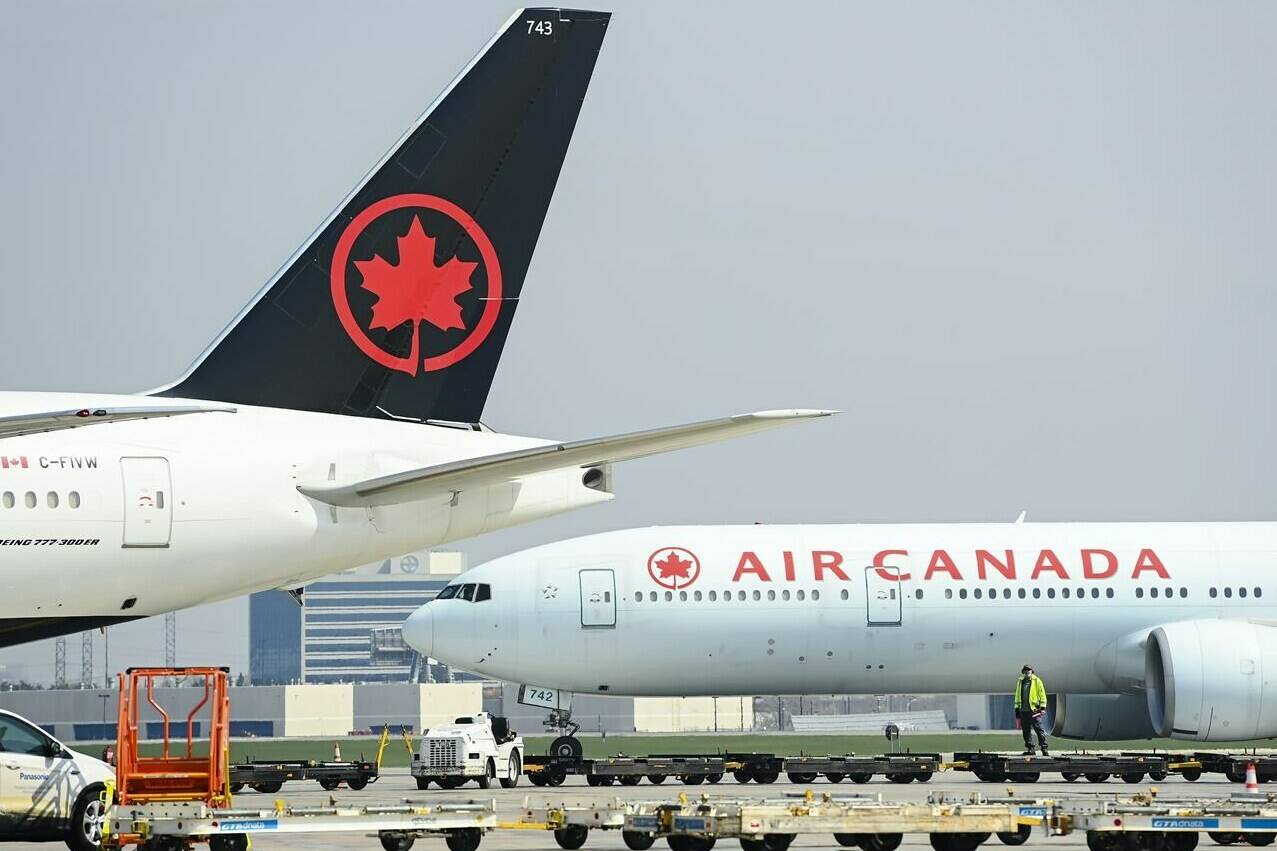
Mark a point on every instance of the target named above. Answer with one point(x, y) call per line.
point(427, 482)
point(20, 424)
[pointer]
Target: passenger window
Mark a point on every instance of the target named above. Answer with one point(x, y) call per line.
point(758, 595)
point(740, 595)
point(669, 596)
point(467, 592)
point(484, 592)
point(948, 593)
point(771, 594)
point(638, 596)
point(18, 737)
point(1108, 592)
point(697, 596)
point(917, 594)
point(1152, 592)
point(1006, 593)
point(652, 596)
point(1139, 593)
point(1228, 592)
point(1258, 592)
point(682, 595)
point(1214, 593)
point(713, 595)
point(28, 499)
point(1183, 592)
point(73, 499)
point(1241, 592)
point(1021, 594)
point(51, 499)
point(799, 594)
point(1050, 593)
point(962, 593)
point(1095, 593)
point(976, 593)
point(1064, 592)
point(1037, 593)
point(815, 595)
point(8, 499)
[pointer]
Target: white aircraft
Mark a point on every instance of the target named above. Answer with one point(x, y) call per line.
point(336, 420)
point(1140, 629)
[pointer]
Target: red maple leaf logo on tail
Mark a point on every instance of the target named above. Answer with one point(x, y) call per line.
point(416, 289)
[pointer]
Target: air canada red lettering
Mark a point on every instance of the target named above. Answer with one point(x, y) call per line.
point(1047, 560)
point(822, 560)
point(1090, 571)
point(880, 563)
point(940, 561)
point(750, 563)
point(1148, 560)
point(789, 566)
point(984, 559)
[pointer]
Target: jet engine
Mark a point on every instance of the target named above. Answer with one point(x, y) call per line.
point(1102, 717)
point(1212, 680)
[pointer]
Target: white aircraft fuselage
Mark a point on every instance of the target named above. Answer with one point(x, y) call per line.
point(724, 610)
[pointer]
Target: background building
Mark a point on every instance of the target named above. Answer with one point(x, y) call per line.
point(346, 628)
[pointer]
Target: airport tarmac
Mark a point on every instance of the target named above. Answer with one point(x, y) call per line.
point(395, 785)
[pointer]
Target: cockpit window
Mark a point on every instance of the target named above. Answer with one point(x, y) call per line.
point(467, 592)
point(482, 592)
point(448, 592)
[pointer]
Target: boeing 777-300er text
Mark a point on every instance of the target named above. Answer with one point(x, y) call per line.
point(1141, 629)
point(336, 420)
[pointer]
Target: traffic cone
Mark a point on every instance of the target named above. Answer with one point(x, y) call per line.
point(336, 751)
point(1252, 779)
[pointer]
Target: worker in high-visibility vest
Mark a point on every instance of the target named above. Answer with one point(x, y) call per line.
point(1030, 706)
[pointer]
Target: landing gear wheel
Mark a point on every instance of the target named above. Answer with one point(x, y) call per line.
point(331, 785)
point(834, 777)
point(880, 841)
point(636, 841)
point(357, 784)
point(1225, 837)
point(1069, 776)
point(859, 777)
point(1097, 778)
point(567, 747)
point(423, 783)
point(656, 779)
point(513, 769)
point(396, 841)
point(1019, 837)
point(716, 777)
point(465, 839)
point(86, 822)
point(847, 840)
point(571, 837)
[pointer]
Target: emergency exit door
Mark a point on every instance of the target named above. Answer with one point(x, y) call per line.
point(598, 598)
point(148, 502)
point(882, 596)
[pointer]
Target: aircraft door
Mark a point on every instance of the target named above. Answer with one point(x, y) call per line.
point(598, 599)
point(883, 593)
point(148, 502)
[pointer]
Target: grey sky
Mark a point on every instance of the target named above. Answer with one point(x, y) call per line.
point(1027, 248)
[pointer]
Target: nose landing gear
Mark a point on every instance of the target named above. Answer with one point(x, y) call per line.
point(566, 745)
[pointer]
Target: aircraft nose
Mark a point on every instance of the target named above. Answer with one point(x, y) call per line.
point(419, 630)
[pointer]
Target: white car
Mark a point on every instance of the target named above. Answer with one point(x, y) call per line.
point(48, 791)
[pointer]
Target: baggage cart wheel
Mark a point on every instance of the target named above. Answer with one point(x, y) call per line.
point(236, 788)
point(396, 841)
point(1192, 775)
point(571, 837)
point(1157, 776)
point(833, 777)
point(329, 785)
point(465, 839)
point(636, 841)
point(924, 776)
point(1236, 774)
point(423, 783)
point(1224, 837)
point(593, 780)
point(537, 778)
point(1019, 837)
point(778, 841)
point(1132, 776)
point(224, 842)
point(555, 777)
point(357, 783)
point(656, 779)
point(1097, 777)
point(1069, 776)
point(268, 788)
point(1028, 776)
point(747, 844)
point(957, 841)
point(899, 778)
point(880, 841)
point(800, 777)
point(767, 776)
point(716, 777)
point(683, 842)
point(847, 840)
point(1101, 840)
point(859, 777)
point(743, 775)
point(1181, 840)
point(513, 769)
point(693, 779)
point(631, 779)
point(1259, 839)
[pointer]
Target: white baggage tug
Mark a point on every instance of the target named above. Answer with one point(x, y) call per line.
point(480, 747)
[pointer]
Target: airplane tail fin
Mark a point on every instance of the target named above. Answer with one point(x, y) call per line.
point(399, 304)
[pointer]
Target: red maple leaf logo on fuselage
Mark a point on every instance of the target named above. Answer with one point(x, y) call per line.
point(415, 289)
point(673, 567)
